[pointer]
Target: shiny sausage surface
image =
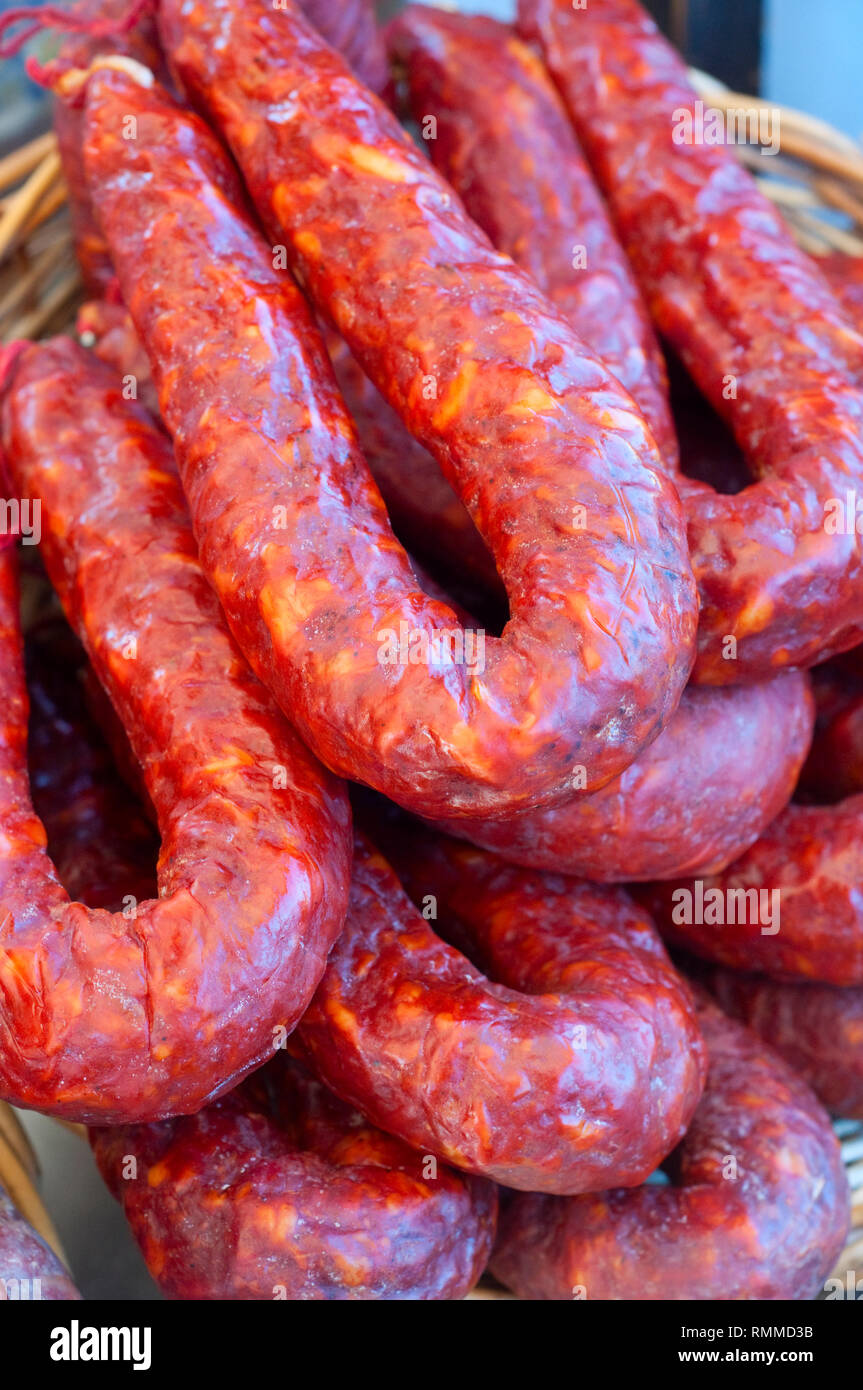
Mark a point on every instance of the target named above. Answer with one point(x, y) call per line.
point(152, 1011)
point(577, 1063)
point(758, 1206)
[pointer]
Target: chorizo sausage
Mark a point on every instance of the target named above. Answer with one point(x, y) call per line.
point(790, 907)
point(503, 140)
point(27, 1263)
point(419, 1230)
point(281, 1191)
point(553, 458)
point(351, 28)
point(580, 1065)
point(818, 1029)
point(728, 289)
point(120, 1017)
point(140, 41)
point(427, 517)
point(710, 785)
point(757, 1208)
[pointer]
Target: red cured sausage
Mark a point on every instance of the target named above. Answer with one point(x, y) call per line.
point(281, 1191)
point(138, 41)
point(28, 1268)
point(797, 891)
point(729, 289)
point(427, 516)
point(716, 777)
point(581, 1065)
point(119, 1017)
point(503, 140)
point(758, 1207)
point(351, 27)
point(818, 1029)
point(418, 1230)
point(553, 459)
point(101, 845)
point(91, 249)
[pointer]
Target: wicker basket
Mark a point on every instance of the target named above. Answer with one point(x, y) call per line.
point(19, 1172)
point(817, 181)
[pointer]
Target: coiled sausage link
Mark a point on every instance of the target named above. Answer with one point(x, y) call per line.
point(790, 907)
point(552, 457)
point(755, 324)
point(279, 1191)
point(503, 140)
point(426, 515)
point(758, 1207)
point(702, 793)
point(579, 1066)
point(117, 1017)
point(370, 1218)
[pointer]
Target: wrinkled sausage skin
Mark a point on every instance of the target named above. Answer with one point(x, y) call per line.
point(281, 1191)
point(803, 917)
point(729, 289)
point(758, 1207)
point(722, 770)
point(503, 140)
point(581, 1061)
point(818, 1029)
point(116, 1017)
point(551, 456)
point(426, 514)
point(25, 1258)
point(142, 43)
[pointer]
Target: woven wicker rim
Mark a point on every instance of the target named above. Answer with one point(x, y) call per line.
point(19, 1172)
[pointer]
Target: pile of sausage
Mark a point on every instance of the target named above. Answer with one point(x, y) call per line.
point(366, 468)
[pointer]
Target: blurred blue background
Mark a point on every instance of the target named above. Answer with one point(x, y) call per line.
point(812, 58)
